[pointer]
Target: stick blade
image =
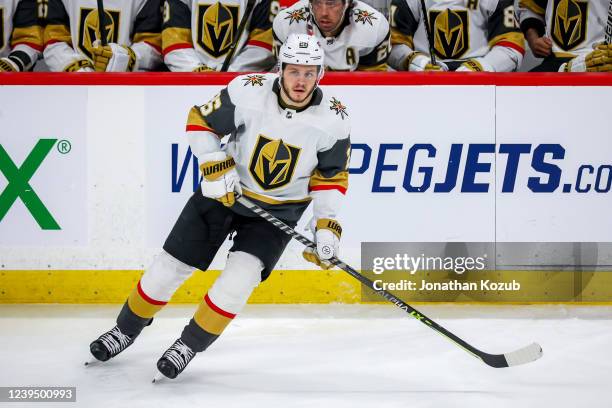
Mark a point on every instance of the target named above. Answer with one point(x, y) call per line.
point(524, 355)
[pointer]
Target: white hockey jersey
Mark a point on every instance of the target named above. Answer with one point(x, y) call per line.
point(574, 26)
point(20, 32)
point(201, 32)
point(73, 26)
point(281, 154)
point(363, 44)
point(462, 30)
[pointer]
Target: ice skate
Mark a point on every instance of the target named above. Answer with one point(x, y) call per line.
point(109, 344)
point(174, 360)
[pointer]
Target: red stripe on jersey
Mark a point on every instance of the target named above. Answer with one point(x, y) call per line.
point(148, 299)
point(511, 45)
point(260, 44)
point(328, 187)
point(218, 309)
point(155, 47)
point(37, 47)
point(198, 128)
point(175, 47)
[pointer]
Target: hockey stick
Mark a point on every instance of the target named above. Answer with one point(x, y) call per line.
point(102, 23)
point(230, 53)
point(608, 36)
point(524, 355)
point(430, 38)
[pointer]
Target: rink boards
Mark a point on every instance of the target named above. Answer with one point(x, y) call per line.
point(96, 169)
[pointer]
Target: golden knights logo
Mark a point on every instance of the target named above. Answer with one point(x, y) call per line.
point(363, 16)
point(451, 32)
point(273, 162)
point(569, 23)
point(89, 30)
point(338, 107)
point(254, 79)
point(296, 15)
point(217, 26)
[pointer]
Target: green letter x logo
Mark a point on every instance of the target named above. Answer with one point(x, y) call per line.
point(19, 186)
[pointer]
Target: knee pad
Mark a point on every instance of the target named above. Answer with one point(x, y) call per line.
point(233, 287)
point(164, 276)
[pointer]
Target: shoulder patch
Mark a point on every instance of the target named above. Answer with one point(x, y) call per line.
point(364, 16)
point(297, 15)
point(255, 79)
point(338, 107)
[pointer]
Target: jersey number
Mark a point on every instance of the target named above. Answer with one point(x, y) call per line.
point(43, 8)
point(350, 56)
point(210, 107)
point(166, 12)
point(509, 18)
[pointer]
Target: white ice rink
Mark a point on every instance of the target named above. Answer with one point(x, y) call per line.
point(320, 356)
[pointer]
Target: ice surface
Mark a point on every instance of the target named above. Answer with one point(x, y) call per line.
point(333, 356)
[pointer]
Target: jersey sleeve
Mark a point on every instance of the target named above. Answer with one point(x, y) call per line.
point(506, 41)
point(329, 181)
point(403, 26)
point(27, 35)
point(332, 168)
point(177, 44)
point(146, 38)
point(256, 55)
point(216, 116)
point(376, 59)
point(531, 14)
point(58, 51)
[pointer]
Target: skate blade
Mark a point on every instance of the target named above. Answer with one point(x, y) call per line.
point(158, 377)
point(92, 362)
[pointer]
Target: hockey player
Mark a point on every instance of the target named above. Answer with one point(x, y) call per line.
point(21, 35)
point(355, 36)
point(197, 35)
point(568, 34)
point(73, 39)
point(468, 35)
point(289, 145)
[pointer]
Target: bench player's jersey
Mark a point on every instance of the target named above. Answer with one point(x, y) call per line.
point(574, 26)
point(20, 30)
point(363, 44)
point(201, 32)
point(72, 27)
point(462, 29)
point(281, 154)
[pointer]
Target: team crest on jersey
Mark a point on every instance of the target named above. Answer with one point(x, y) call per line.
point(253, 80)
point(364, 16)
point(273, 162)
point(338, 107)
point(296, 16)
point(569, 23)
point(451, 32)
point(89, 30)
point(217, 25)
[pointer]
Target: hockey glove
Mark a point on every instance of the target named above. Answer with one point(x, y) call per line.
point(475, 65)
point(6, 65)
point(327, 234)
point(420, 62)
point(599, 60)
point(113, 58)
point(220, 179)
